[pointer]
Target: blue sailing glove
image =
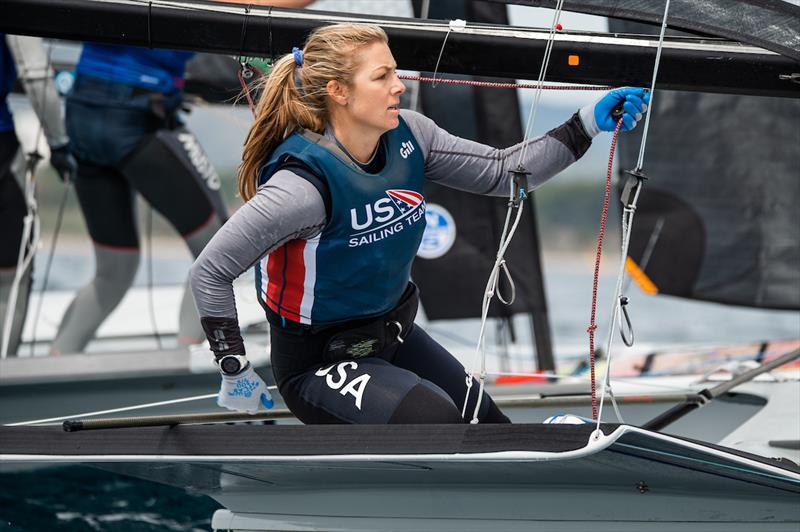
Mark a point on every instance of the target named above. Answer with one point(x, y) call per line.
point(598, 117)
point(244, 391)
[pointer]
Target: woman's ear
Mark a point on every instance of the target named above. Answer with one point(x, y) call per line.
point(337, 92)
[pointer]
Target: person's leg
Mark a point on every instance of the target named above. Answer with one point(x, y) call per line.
point(107, 203)
point(366, 391)
point(422, 355)
point(173, 174)
point(12, 213)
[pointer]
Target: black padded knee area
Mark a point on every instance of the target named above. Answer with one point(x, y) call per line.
point(424, 405)
point(170, 170)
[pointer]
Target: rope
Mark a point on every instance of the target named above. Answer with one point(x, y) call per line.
point(627, 223)
point(498, 85)
point(245, 88)
point(48, 267)
point(122, 409)
point(516, 198)
point(150, 299)
point(599, 255)
point(640, 161)
point(540, 80)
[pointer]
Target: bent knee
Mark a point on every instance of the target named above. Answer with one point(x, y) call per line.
point(423, 404)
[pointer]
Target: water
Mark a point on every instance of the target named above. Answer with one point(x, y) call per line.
point(76, 498)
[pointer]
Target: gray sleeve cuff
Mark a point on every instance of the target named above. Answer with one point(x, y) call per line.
point(587, 120)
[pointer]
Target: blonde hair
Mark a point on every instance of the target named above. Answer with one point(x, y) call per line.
point(329, 54)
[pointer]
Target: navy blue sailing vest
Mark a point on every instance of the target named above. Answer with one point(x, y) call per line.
point(360, 264)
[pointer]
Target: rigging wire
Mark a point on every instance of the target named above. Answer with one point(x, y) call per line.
point(627, 223)
point(150, 299)
point(48, 266)
point(501, 85)
point(518, 193)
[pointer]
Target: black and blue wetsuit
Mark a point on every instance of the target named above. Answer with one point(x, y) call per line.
point(122, 119)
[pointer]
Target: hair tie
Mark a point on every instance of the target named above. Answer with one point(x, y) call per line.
point(298, 56)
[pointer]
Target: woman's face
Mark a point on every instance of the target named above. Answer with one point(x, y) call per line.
point(373, 100)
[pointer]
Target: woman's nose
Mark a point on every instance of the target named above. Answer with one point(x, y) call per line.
point(398, 88)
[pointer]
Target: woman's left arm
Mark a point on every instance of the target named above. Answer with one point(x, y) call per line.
point(473, 167)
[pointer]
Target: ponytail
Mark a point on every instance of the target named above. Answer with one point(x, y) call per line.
point(294, 97)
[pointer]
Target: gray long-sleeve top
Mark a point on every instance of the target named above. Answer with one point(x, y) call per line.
point(288, 207)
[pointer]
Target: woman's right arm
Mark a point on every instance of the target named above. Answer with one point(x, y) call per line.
point(286, 208)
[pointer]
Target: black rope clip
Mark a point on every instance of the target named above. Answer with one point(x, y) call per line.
point(520, 177)
point(32, 160)
point(623, 305)
point(633, 181)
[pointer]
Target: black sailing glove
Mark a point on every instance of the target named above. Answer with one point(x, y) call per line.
point(64, 162)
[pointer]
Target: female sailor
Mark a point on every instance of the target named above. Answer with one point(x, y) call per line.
point(333, 173)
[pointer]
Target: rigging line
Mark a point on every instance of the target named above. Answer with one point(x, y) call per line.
point(647, 254)
point(640, 161)
point(269, 35)
point(491, 289)
point(500, 85)
point(630, 211)
point(31, 229)
point(505, 240)
point(415, 102)
point(150, 25)
point(596, 277)
point(122, 409)
point(150, 298)
point(480, 345)
point(627, 222)
point(48, 266)
point(540, 81)
point(244, 30)
point(456, 25)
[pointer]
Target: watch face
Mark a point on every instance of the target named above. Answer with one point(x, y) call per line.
point(230, 365)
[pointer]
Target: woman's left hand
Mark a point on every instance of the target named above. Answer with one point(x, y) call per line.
point(599, 116)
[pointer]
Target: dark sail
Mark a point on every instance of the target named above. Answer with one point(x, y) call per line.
point(771, 24)
point(718, 218)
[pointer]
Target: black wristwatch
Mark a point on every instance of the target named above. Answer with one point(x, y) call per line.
point(232, 364)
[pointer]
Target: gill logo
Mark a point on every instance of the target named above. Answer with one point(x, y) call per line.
point(406, 148)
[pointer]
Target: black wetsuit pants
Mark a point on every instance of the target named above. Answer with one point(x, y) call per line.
point(12, 204)
point(417, 381)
